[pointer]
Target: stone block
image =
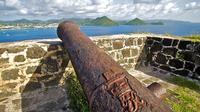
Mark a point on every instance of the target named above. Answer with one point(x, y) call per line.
point(184, 45)
point(170, 51)
point(161, 59)
point(53, 82)
point(4, 60)
point(197, 47)
point(140, 41)
point(175, 42)
point(129, 42)
point(35, 52)
point(19, 58)
point(189, 65)
point(167, 42)
point(11, 85)
point(149, 42)
point(49, 107)
point(2, 108)
point(165, 67)
point(131, 60)
point(176, 63)
point(196, 59)
point(2, 50)
point(52, 48)
point(31, 69)
point(50, 65)
point(156, 47)
point(181, 72)
point(156, 38)
point(5, 94)
point(10, 74)
point(43, 78)
point(153, 63)
point(126, 52)
point(186, 55)
point(31, 86)
point(16, 49)
point(135, 52)
point(197, 71)
point(117, 45)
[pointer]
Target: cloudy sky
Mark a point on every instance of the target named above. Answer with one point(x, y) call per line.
point(186, 10)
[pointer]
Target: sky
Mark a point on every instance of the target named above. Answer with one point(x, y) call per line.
point(184, 10)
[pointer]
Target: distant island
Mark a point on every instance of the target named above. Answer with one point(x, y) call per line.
point(136, 21)
point(103, 21)
point(100, 21)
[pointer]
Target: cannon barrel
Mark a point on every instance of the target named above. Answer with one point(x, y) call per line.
point(107, 86)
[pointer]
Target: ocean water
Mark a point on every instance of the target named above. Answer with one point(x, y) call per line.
point(178, 29)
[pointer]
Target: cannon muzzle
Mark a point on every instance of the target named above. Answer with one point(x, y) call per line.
point(107, 86)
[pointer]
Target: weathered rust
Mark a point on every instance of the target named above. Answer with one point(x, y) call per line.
point(157, 89)
point(108, 87)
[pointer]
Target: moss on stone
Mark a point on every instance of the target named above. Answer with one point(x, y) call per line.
point(10, 85)
point(140, 41)
point(3, 60)
point(35, 52)
point(2, 108)
point(6, 94)
point(126, 52)
point(117, 45)
point(31, 69)
point(135, 52)
point(19, 58)
point(129, 42)
point(16, 49)
point(2, 50)
point(10, 74)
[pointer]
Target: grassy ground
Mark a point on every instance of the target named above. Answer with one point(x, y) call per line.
point(78, 102)
point(193, 37)
point(184, 98)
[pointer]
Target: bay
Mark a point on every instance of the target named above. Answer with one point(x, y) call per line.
point(11, 35)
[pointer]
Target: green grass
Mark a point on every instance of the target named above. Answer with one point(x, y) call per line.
point(184, 98)
point(78, 102)
point(193, 37)
point(180, 81)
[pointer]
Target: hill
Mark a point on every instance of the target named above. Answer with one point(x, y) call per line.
point(103, 21)
point(136, 21)
point(157, 23)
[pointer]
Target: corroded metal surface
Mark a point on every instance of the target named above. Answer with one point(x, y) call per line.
point(108, 87)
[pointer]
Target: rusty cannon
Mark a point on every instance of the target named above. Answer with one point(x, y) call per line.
point(107, 86)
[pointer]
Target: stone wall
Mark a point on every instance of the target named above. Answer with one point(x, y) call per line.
point(177, 56)
point(33, 73)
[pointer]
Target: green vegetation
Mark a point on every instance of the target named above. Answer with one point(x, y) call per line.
point(100, 21)
point(184, 83)
point(103, 21)
point(136, 21)
point(78, 102)
point(193, 37)
point(184, 98)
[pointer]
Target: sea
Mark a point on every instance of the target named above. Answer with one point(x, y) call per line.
point(178, 29)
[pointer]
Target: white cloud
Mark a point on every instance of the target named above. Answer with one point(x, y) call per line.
point(23, 11)
point(116, 9)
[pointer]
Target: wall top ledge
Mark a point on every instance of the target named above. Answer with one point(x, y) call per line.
point(58, 41)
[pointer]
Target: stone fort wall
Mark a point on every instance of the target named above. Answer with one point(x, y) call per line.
point(33, 73)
